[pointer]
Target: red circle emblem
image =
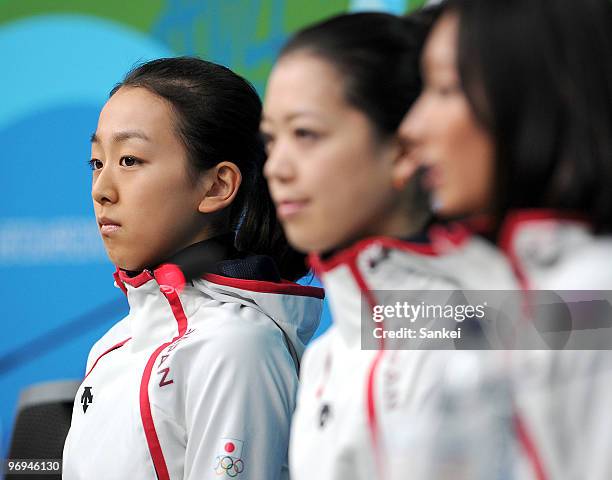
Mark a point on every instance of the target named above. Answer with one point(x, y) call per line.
point(229, 447)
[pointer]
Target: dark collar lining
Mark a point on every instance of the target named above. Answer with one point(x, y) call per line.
point(219, 256)
point(420, 237)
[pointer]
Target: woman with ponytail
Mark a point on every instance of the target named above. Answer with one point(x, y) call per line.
point(199, 380)
point(346, 190)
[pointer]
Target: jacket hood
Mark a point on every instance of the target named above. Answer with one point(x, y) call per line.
point(204, 269)
point(295, 308)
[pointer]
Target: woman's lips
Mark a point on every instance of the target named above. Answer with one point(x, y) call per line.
point(109, 228)
point(290, 208)
point(432, 177)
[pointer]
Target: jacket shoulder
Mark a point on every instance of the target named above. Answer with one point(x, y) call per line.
point(230, 335)
point(583, 268)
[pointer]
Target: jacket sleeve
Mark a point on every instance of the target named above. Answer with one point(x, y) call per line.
point(240, 395)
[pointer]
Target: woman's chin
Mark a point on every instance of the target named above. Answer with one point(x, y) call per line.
point(444, 208)
point(303, 241)
point(123, 264)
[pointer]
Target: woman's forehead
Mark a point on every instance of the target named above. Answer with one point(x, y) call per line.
point(134, 114)
point(440, 50)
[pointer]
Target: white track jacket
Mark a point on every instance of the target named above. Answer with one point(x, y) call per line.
point(356, 407)
point(563, 396)
point(351, 400)
point(193, 384)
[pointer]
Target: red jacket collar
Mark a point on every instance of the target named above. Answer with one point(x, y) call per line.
point(516, 219)
point(439, 238)
point(170, 275)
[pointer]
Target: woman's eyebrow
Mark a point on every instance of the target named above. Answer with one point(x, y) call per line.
point(122, 136)
point(293, 115)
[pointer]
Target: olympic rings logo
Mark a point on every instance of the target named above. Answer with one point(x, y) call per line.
point(227, 465)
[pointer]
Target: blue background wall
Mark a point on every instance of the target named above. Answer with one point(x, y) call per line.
point(58, 63)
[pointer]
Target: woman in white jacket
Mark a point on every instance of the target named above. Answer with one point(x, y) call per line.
point(199, 380)
point(515, 122)
point(344, 185)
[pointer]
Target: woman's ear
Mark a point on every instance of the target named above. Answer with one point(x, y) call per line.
point(223, 181)
point(405, 166)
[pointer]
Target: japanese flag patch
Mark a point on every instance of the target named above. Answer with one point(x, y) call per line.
point(228, 457)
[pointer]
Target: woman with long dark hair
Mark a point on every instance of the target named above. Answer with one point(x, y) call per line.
point(515, 124)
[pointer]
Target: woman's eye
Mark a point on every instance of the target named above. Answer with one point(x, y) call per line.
point(305, 134)
point(447, 90)
point(94, 164)
point(267, 140)
point(128, 161)
point(265, 137)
